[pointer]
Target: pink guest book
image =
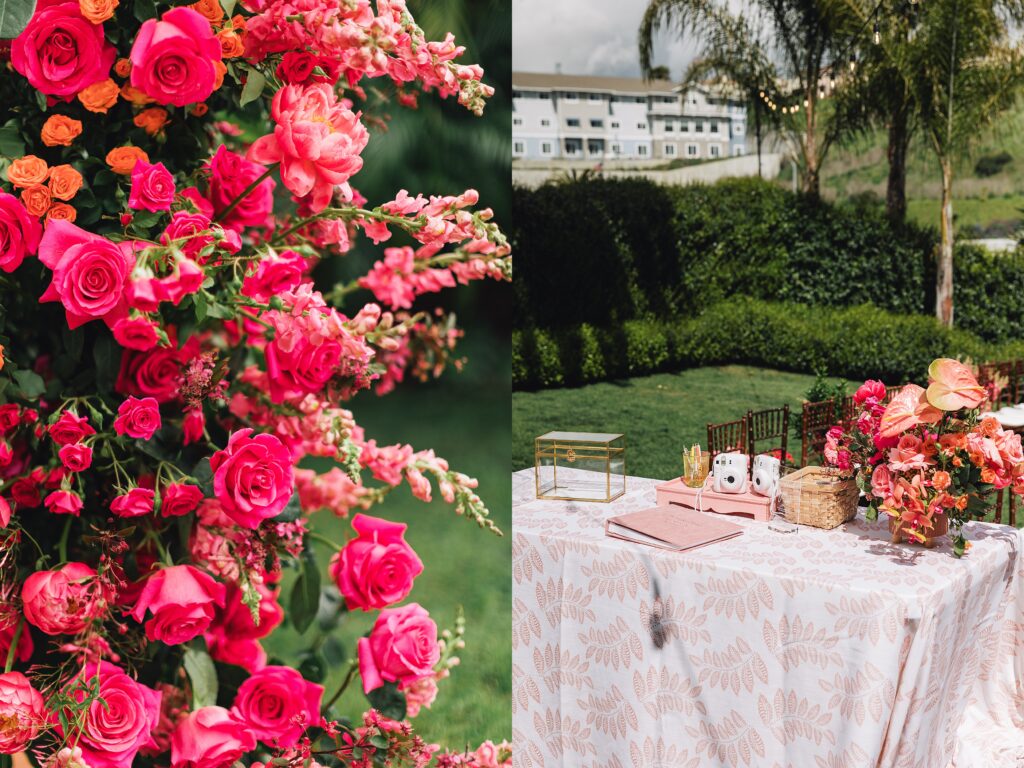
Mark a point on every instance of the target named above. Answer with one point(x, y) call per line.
point(671, 527)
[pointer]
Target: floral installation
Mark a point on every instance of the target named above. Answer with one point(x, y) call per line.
point(928, 456)
point(167, 363)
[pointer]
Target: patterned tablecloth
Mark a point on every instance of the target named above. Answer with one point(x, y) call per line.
point(811, 649)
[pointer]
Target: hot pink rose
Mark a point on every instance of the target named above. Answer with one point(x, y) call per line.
point(193, 425)
point(25, 645)
point(89, 273)
point(244, 652)
point(152, 186)
point(274, 275)
point(5, 513)
point(183, 601)
point(210, 737)
point(19, 233)
point(60, 52)
point(76, 457)
point(300, 366)
point(64, 503)
point(377, 568)
point(61, 602)
point(870, 388)
point(155, 373)
point(70, 428)
point(230, 175)
point(138, 418)
point(22, 711)
point(401, 648)
point(179, 499)
point(277, 705)
point(120, 721)
point(316, 139)
point(191, 230)
point(136, 333)
point(174, 59)
point(252, 477)
point(138, 502)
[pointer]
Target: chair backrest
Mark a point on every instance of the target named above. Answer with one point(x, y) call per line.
point(891, 392)
point(1001, 381)
point(1010, 504)
point(1017, 381)
point(815, 421)
point(727, 437)
point(770, 424)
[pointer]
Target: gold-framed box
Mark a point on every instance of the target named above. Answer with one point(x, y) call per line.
point(580, 466)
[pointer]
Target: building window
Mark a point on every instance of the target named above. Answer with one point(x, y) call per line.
point(642, 150)
point(545, 148)
point(545, 96)
point(714, 126)
point(595, 123)
point(517, 121)
point(569, 96)
point(617, 149)
point(518, 147)
point(595, 97)
point(738, 151)
point(545, 122)
point(614, 125)
point(715, 150)
point(642, 126)
point(669, 127)
point(692, 150)
point(572, 122)
point(699, 126)
point(670, 150)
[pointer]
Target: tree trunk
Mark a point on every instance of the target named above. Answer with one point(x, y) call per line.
point(757, 130)
point(944, 266)
point(812, 180)
point(896, 187)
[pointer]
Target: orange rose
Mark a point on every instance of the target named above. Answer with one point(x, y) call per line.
point(199, 110)
point(941, 480)
point(988, 475)
point(152, 120)
point(134, 95)
point(99, 97)
point(28, 170)
point(65, 182)
point(231, 45)
point(61, 211)
point(238, 22)
point(1, 357)
point(36, 199)
point(211, 9)
point(97, 11)
point(123, 67)
point(961, 503)
point(60, 131)
point(122, 159)
point(221, 70)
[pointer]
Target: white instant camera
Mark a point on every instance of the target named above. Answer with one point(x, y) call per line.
point(767, 470)
point(730, 473)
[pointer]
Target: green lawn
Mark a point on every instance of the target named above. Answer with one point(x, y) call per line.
point(969, 213)
point(660, 415)
point(466, 422)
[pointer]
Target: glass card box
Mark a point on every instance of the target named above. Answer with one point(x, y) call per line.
point(580, 466)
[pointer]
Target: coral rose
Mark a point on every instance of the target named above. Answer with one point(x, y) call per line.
point(183, 601)
point(210, 737)
point(36, 200)
point(277, 705)
point(151, 120)
point(211, 10)
point(377, 568)
point(152, 187)
point(61, 212)
point(173, 60)
point(60, 131)
point(63, 601)
point(100, 96)
point(22, 712)
point(65, 182)
point(122, 160)
point(27, 171)
point(122, 67)
point(19, 233)
point(97, 11)
point(252, 477)
point(401, 648)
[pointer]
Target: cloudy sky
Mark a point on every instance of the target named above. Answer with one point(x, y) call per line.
point(587, 37)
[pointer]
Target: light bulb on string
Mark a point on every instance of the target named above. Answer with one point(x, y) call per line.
point(853, 62)
point(877, 34)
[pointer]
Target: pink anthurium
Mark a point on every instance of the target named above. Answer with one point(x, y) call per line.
point(906, 410)
point(952, 386)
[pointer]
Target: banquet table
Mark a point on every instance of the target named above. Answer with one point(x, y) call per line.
point(810, 649)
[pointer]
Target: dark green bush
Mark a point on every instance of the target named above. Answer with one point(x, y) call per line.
point(990, 165)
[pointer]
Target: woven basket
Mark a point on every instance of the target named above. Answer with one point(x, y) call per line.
point(818, 497)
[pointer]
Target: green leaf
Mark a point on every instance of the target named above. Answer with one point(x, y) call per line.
point(255, 82)
point(14, 17)
point(11, 143)
point(228, 6)
point(144, 9)
point(30, 383)
point(292, 510)
point(203, 475)
point(388, 700)
point(203, 676)
point(199, 300)
point(305, 598)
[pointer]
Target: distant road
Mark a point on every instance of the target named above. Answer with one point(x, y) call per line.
point(533, 175)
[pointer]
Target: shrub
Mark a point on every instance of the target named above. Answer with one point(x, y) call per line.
point(990, 165)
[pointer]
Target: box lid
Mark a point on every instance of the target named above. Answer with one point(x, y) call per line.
point(581, 437)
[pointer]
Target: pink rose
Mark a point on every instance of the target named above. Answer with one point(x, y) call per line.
point(183, 601)
point(156, 373)
point(174, 59)
point(244, 652)
point(300, 366)
point(70, 428)
point(22, 711)
point(138, 502)
point(316, 139)
point(64, 503)
point(869, 389)
point(19, 233)
point(191, 230)
point(61, 602)
point(5, 512)
point(76, 457)
point(179, 499)
point(152, 187)
point(230, 175)
point(120, 721)
point(401, 648)
point(275, 275)
point(60, 52)
point(25, 645)
point(252, 477)
point(881, 482)
point(136, 333)
point(193, 425)
point(89, 273)
point(377, 568)
point(277, 705)
point(138, 418)
point(210, 737)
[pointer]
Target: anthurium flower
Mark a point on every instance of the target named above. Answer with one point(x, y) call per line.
point(952, 386)
point(907, 410)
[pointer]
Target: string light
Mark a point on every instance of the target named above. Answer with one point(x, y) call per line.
point(877, 34)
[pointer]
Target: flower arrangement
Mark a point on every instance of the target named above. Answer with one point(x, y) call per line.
point(167, 363)
point(927, 459)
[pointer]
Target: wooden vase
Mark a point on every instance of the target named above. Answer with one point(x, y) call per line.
point(899, 531)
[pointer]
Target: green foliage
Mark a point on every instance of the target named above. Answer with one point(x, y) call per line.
point(990, 165)
point(14, 16)
point(600, 252)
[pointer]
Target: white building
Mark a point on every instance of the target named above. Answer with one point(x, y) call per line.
point(584, 117)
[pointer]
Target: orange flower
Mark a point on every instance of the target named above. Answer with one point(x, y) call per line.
point(65, 182)
point(988, 427)
point(36, 199)
point(210, 9)
point(941, 480)
point(122, 159)
point(221, 70)
point(199, 110)
point(123, 67)
point(61, 211)
point(97, 11)
point(134, 95)
point(988, 475)
point(99, 97)
point(231, 45)
point(238, 22)
point(152, 120)
point(60, 131)
point(961, 503)
point(1, 357)
point(28, 170)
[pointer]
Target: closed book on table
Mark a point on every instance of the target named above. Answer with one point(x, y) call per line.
point(670, 527)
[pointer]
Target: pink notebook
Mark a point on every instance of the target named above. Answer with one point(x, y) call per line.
point(671, 527)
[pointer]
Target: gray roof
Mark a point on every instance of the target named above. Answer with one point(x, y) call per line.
point(552, 82)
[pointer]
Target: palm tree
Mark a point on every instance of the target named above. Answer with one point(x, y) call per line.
point(802, 36)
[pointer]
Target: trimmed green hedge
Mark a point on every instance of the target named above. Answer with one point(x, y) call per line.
point(602, 251)
point(856, 343)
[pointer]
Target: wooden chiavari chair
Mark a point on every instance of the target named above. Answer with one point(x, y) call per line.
point(815, 421)
point(727, 437)
point(769, 424)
